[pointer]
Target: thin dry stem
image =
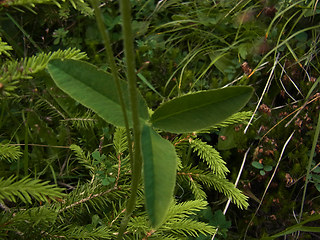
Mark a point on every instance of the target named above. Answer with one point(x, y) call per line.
point(235, 184)
point(273, 174)
point(263, 93)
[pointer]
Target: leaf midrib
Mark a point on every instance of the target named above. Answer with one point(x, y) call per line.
point(189, 109)
point(100, 94)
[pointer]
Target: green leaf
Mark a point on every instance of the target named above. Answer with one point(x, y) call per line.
point(219, 220)
point(302, 37)
point(267, 168)
point(221, 61)
point(145, 81)
point(315, 177)
point(94, 89)
point(257, 165)
point(105, 182)
point(200, 110)
point(243, 50)
point(159, 162)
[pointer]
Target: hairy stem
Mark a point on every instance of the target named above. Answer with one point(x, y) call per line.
point(129, 54)
point(125, 9)
point(112, 63)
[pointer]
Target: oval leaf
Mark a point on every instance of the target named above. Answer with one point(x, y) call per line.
point(200, 110)
point(267, 168)
point(94, 89)
point(159, 165)
point(262, 172)
point(257, 165)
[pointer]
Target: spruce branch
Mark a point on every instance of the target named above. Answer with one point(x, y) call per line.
point(9, 152)
point(177, 224)
point(90, 197)
point(83, 158)
point(120, 141)
point(28, 223)
point(178, 221)
point(38, 145)
point(224, 186)
point(87, 232)
point(26, 188)
point(4, 48)
point(82, 121)
point(81, 5)
point(185, 209)
point(188, 227)
point(48, 106)
point(237, 118)
point(13, 71)
point(218, 183)
point(208, 154)
point(196, 189)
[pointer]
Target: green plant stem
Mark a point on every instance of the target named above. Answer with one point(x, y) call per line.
point(125, 9)
point(26, 141)
point(136, 163)
point(314, 144)
point(105, 35)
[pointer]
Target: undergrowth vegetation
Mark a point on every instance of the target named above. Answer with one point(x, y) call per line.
point(66, 168)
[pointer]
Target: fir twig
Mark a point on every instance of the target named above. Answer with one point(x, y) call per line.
point(89, 198)
point(13, 71)
point(211, 156)
point(9, 152)
point(26, 188)
point(220, 184)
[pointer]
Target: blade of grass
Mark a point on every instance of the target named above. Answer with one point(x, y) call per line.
point(293, 83)
point(314, 144)
point(293, 54)
point(282, 85)
point(24, 32)
point(281, 44)
point(143, 79)
point(306, 101)
point(305, 9)
point(263, 93)
point(279, 15)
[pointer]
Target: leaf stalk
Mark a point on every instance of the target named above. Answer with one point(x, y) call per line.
point(135, 158)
